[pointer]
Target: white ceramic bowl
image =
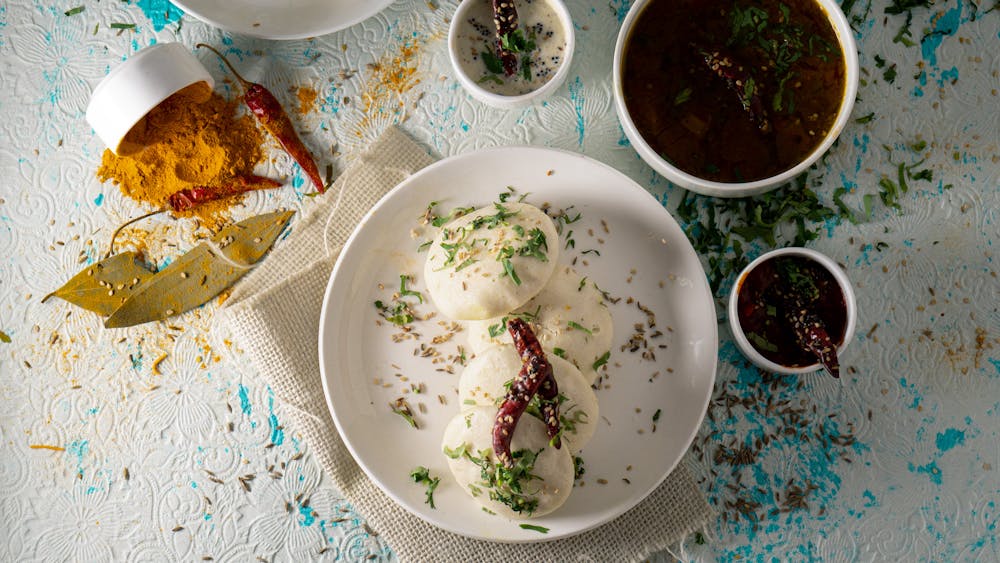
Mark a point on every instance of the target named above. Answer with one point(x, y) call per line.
point(740, 337)
point(138, 85)
point(499, 100)
point(845, 39)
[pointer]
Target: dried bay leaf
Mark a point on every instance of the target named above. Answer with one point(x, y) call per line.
point(203, 272)
point(103, 287)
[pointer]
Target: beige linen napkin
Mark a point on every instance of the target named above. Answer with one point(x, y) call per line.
point(274, 316)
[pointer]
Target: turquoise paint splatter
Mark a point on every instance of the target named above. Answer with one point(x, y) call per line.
point(946, 24)
point(917, 92)
point(277, 433)
point(931, 470)
point(620, 8)
point(194, 485)
point(872, 501)
point(99, 200)
point(950, 75)
point(160, 12)
point(77, 450)
point(576, 95)
point(307, 516)
point(244, 400)
point(949, 439)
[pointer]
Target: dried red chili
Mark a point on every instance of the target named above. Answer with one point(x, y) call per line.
point(272, 116)
point(505, 19)
point(535, 377)
point(191, 197)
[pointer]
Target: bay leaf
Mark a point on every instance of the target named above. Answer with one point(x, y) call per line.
point(203, 272)
point(102, 287)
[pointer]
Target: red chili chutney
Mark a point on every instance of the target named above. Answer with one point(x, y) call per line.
point(761, 313)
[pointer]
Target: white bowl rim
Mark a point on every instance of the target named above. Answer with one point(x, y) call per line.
point(500, 100)
point(848, 46)
point(843, 282)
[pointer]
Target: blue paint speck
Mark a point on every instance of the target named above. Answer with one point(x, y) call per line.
point(946, 24)
point(277, 433)
point(576, 95)
point(871, 499)
point(949, 439)
point(99, 200)
point(307, 516)
point(77, 450)
point(931, 470)
point(244, 400)
point(160, 12)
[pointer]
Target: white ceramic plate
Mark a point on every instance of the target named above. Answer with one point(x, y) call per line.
point(359, 360)
point(282, 19)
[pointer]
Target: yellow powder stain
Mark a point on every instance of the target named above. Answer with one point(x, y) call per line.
point(193, 138)
point(307, 99)
point(392, 76)
point(47, 447)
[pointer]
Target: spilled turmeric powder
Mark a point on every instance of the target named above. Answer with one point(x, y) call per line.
point(193, 138)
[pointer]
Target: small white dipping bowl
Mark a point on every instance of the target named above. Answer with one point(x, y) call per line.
point(740, 337)
point(460, 18)
point(138, 85)
point(845, 39)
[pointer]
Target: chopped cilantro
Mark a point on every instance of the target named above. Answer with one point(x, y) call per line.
point(403, 292)
point(402, 408)
point(535, 528)
point(492, 62)
point(578, 326)
point(422, 475)
point(75, 11)
point(508, 269)
point(603, 360)
point(682, 96)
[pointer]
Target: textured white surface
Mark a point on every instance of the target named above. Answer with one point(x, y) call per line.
point(918, 480)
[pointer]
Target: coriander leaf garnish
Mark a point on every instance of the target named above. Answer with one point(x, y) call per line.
point(403, 292)
point(402, 408)
point(540, 529)
point(74, 11)
point(421, 475)
point(508, 269)
point(492, 62)
point(603, 360)
point(559, 352)
point(578, 326)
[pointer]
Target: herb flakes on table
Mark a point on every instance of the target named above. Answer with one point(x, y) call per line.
point(719, 229)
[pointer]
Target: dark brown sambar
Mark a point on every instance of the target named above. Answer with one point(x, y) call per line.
point(733, 91)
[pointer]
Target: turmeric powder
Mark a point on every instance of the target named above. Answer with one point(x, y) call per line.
point(193, 138)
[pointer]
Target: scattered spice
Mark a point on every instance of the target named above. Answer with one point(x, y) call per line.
point(268, 111)
point(307, 99)
point(192, 138)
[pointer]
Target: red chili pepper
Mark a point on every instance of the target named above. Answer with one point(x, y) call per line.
point(535, 376)
point(505, 19)
point(272, 116)
point(191, 197)
point(740, 81)
point(810, 331)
